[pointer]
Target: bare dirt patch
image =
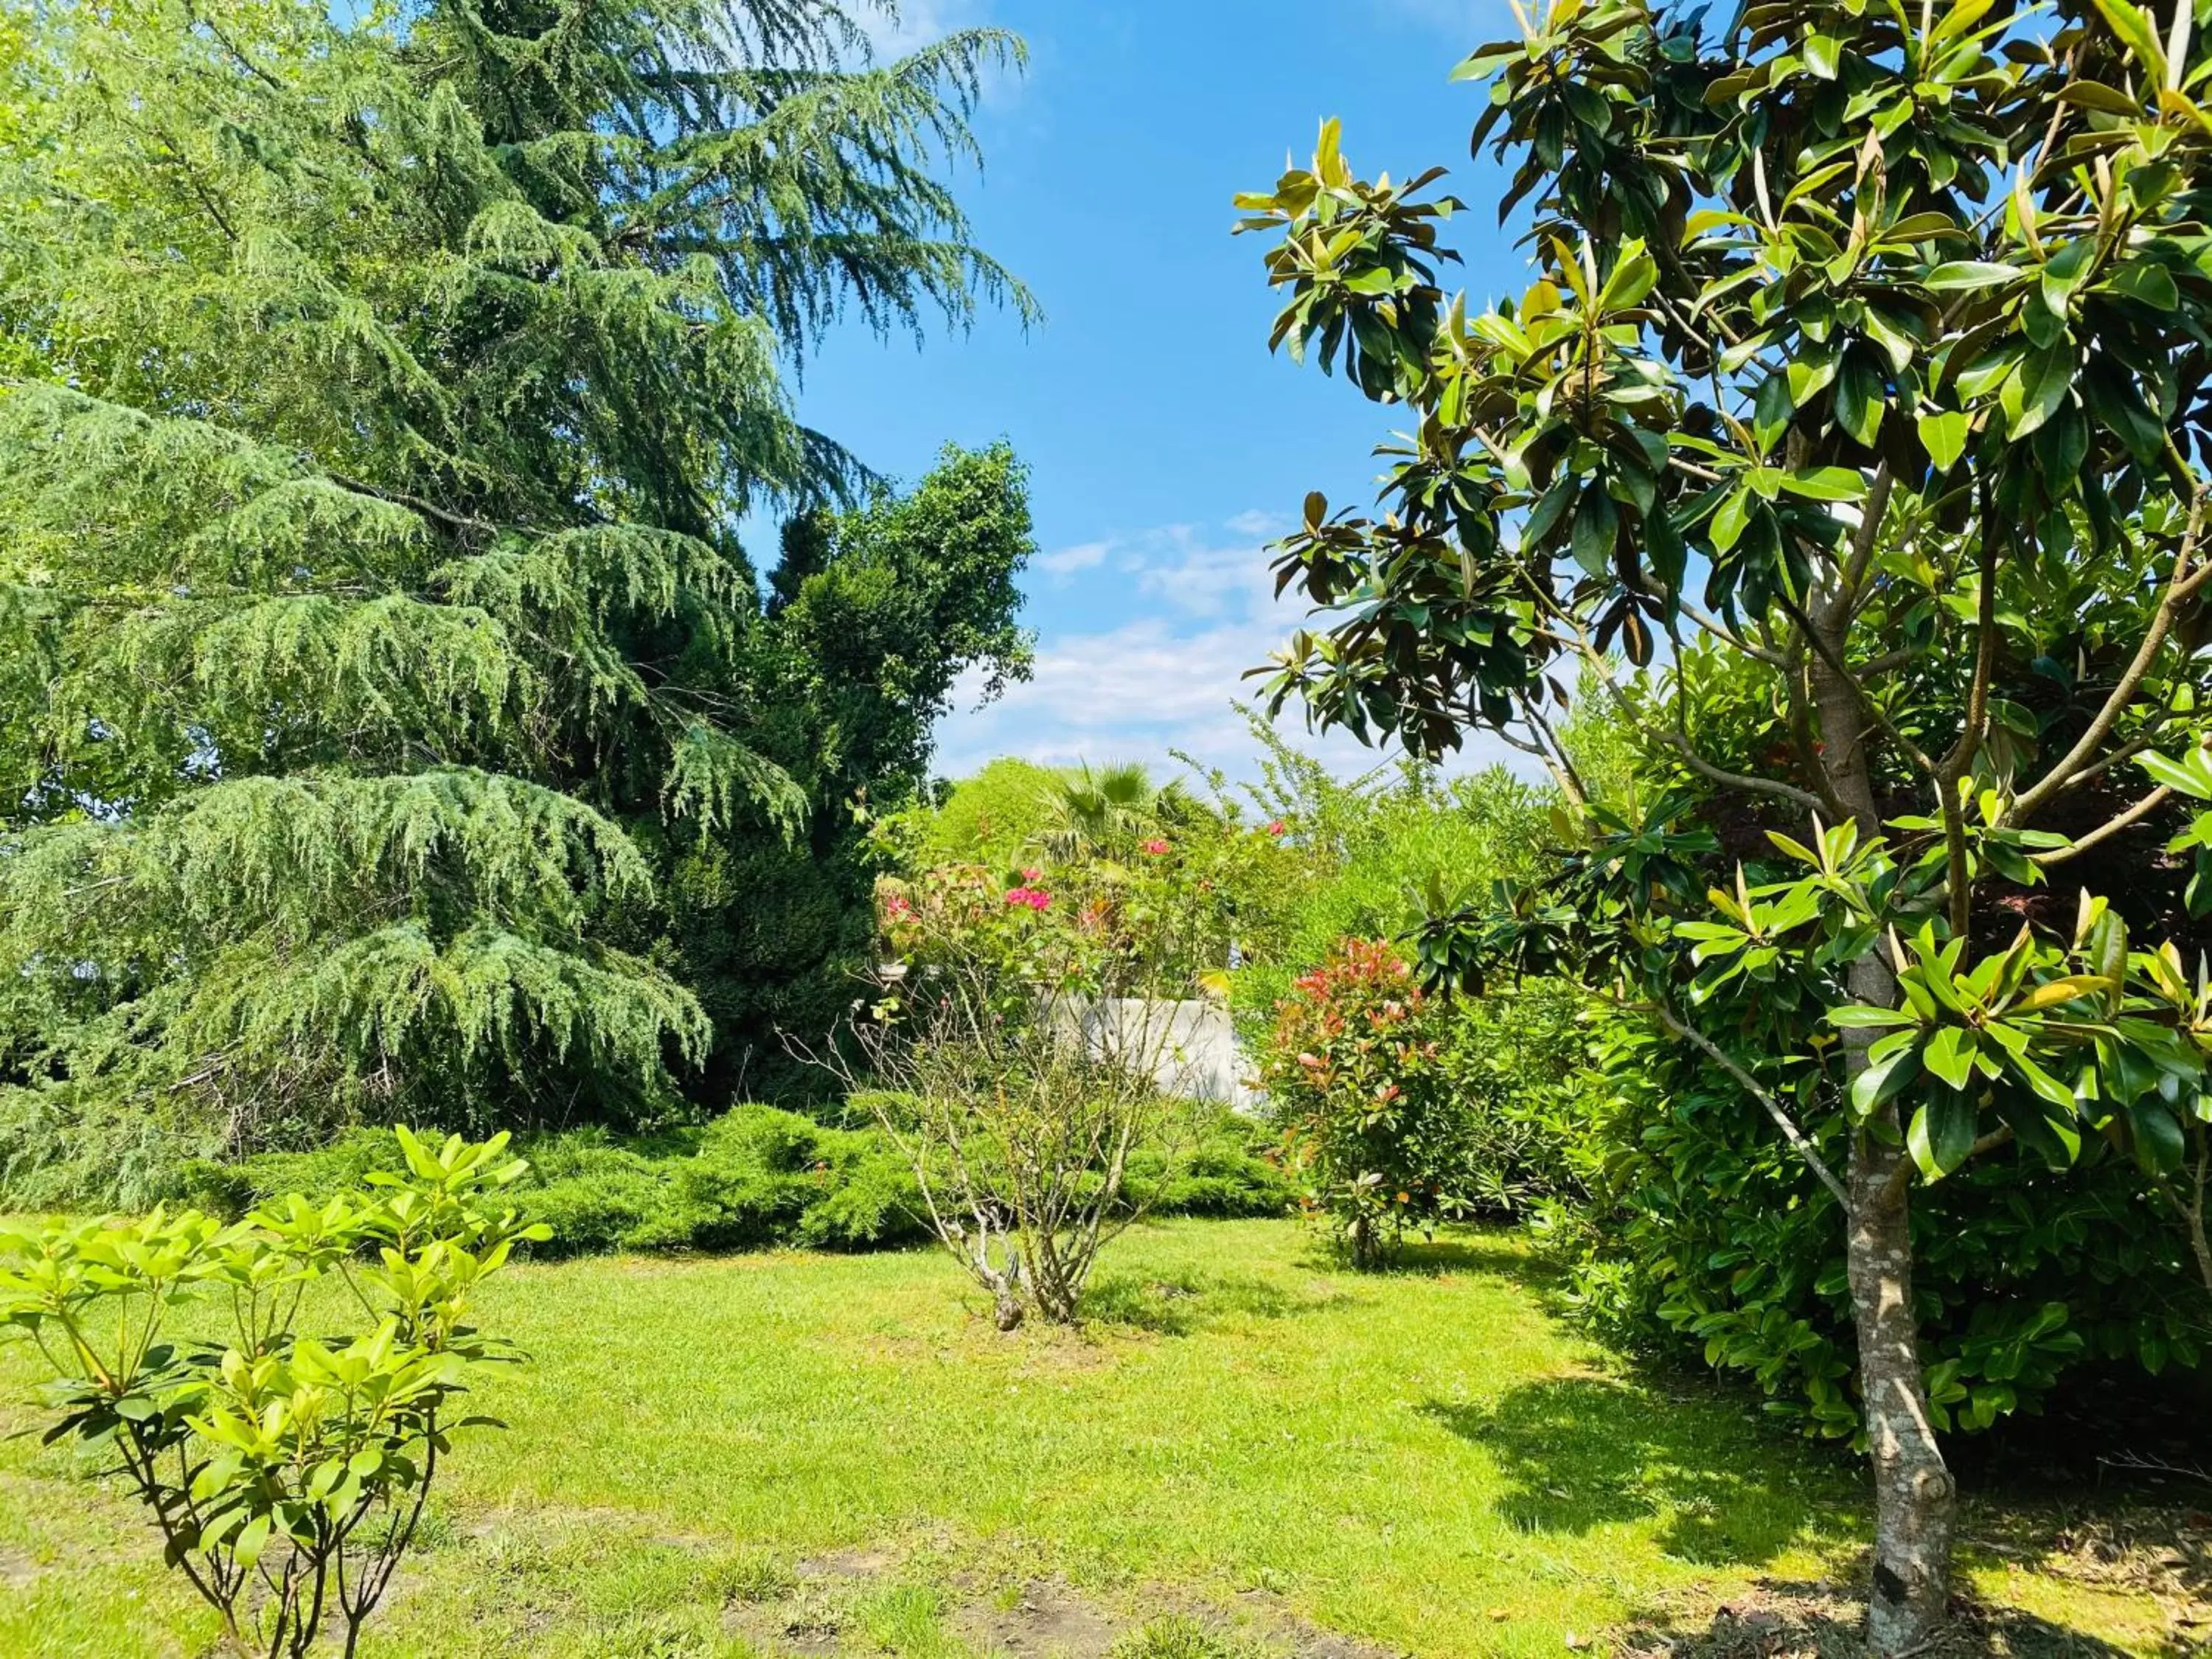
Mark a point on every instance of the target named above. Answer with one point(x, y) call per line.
point(1048, 1618)
point(854, 1562)
point(17, 1570)
point(818, 1612)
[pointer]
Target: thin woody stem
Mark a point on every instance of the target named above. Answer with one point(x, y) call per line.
point(2180, 586)
point(1799, 1141)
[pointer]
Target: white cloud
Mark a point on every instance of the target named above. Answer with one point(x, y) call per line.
point(1067, 560)
point(1169, 678)
point(1206, 580)
point(1259, 524)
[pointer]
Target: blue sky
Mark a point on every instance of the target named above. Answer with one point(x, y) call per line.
point(1166, 446)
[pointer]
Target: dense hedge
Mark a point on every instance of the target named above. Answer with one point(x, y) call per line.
point(755, 1177)
point(1703, 1227)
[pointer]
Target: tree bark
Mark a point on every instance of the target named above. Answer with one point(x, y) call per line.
point(1915, 1496)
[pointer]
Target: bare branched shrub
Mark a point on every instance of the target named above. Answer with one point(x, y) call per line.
point(1020, 1116)
point(1027, 1038)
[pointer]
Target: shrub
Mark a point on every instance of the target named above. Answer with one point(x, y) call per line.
point(1703, 1227)
point(1229, 1166)
point(754, 1178)
point(1402, 1110)
point(1355, 1076)
point(1516, 1062)
point(1020, 1130)
point(287, 1473)
point(1022, 1053)
point(993, 817)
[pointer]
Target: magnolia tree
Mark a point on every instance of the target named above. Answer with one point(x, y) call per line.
point(1859, 393)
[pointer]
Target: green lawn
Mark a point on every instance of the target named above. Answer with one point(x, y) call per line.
point(1248, 1449)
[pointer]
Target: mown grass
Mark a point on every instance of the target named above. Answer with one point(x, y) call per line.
point(717, 1456)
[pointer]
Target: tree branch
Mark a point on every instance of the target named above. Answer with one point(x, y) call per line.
point(455, 522)
point(1782, 1120)
point(2112, 826)
point(1804, 799)
point(2182, 584)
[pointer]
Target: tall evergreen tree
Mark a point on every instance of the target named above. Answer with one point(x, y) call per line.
point(379, 402)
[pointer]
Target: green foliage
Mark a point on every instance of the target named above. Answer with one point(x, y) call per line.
point(757, 1177)
point(1113, 813)
point(1223, 1165)
point(325, 1448)
point(1703, 1227)
point(874, 612)
point(1361, 855)
point(1402, 1110)
point(391, 697)
point(993, 818)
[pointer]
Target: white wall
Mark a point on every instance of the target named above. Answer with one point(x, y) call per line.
point(1190, 1046)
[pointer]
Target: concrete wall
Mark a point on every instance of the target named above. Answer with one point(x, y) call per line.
point(1190, 1047)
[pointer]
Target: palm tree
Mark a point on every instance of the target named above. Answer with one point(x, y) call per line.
point(1111, 812)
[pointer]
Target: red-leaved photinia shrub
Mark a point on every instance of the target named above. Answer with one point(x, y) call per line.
point(1355, 1076)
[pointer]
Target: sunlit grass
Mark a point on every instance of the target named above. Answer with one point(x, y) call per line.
point(1421, 1459)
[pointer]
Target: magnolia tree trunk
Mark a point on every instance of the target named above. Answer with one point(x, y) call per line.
point(1914, 1495)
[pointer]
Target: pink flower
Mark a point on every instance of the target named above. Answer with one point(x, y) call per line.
point(1039, 901)
point(896, 908)
point(1033, 898)
point(1156, 846)
point(1279, 828)
point(1031, 875)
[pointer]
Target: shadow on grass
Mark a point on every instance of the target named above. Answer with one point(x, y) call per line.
point(1178, 1304)
point(1822, 1620)
point(1493, 1256)
point(1582, 1453)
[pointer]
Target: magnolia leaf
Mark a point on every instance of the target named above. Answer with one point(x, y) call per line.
point(1944, 435)
point(2159, 1146)
point(1861, 1018)
point(1825, 484)
point(1883, 1080)
point(1950, 1054)
point(2048, 1087)
point(2190, 775)
point(2055, 992)
point(1940, 1136)
point(1968, 273)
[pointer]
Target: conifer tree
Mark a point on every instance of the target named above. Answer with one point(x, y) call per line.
point(379, 401)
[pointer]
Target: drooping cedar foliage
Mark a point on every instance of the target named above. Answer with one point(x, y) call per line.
point(380, 398)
